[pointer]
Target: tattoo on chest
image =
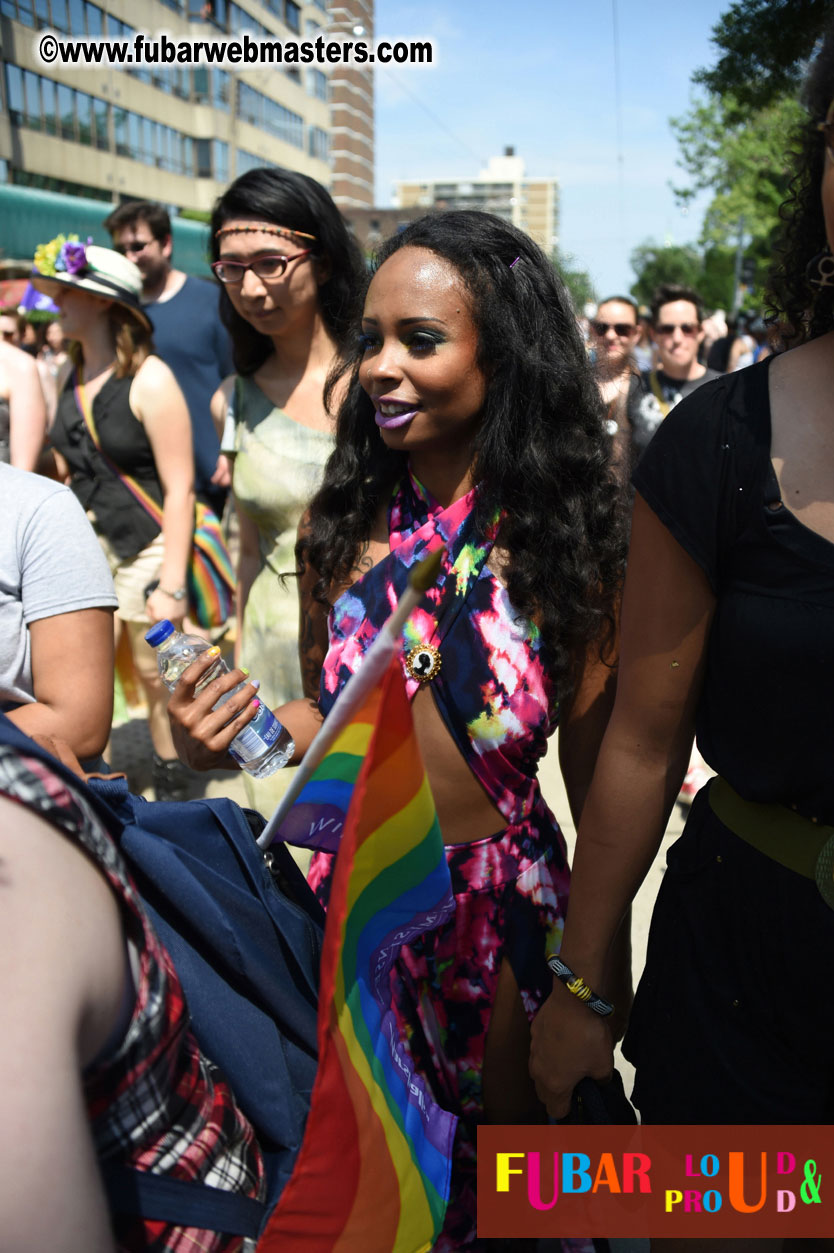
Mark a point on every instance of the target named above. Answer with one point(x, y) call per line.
point(364, 561)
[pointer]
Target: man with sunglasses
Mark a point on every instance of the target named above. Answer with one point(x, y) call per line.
point(677, 331)
point(187, 332)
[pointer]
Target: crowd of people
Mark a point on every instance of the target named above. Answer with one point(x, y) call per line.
point(638, 549)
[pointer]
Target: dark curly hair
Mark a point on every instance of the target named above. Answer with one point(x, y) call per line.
point(803, 311)
point(289, 199)
point(540, 454)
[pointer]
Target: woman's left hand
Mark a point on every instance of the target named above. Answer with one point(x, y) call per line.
point(160, 605)
point(568, 1041)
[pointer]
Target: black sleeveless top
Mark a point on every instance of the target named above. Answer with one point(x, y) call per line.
point(117, 514)
point(764, 716)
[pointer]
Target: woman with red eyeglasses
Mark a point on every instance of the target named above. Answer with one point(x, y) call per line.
point(290, 276)
point(727, 623)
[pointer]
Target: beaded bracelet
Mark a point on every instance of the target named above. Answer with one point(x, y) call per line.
point(577, 985)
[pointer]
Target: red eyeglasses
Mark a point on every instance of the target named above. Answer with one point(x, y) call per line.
point(264, 267)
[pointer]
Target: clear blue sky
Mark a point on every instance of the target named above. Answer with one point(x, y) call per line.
point(539, 75)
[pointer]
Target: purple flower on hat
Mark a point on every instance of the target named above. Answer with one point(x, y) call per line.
point(72, 258)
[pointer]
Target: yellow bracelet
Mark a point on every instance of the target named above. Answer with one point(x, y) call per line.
point(579, 988)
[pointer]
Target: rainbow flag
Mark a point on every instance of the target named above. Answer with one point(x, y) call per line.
point(374, 1166)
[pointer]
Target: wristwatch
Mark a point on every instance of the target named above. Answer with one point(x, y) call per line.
point(179, 594)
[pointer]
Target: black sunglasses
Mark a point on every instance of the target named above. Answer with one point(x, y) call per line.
point(138, 245)
point(623, 329)
point(685, 328)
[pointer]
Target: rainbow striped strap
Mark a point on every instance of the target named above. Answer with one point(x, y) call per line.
point(577, 985)
point(136, 490)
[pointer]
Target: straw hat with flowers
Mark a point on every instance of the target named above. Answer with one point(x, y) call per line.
point(65, 262)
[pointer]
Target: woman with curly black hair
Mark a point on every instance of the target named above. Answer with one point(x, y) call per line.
point(471, 417)
point(291, 281)
point(728, 612)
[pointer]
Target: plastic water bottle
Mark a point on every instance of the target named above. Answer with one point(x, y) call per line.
point(265, 744)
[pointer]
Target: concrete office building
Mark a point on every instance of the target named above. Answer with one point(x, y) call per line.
point(503, 189)
point(179, 134)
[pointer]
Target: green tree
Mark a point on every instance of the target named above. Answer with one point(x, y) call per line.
point(655, 263)
point(577, 280)
point(742, 158)
point(716, 284)
point(710, 273)
point(764, 45)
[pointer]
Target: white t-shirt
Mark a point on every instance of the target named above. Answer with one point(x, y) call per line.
point(50, 562)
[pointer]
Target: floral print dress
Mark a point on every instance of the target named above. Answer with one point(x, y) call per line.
point(495, 697)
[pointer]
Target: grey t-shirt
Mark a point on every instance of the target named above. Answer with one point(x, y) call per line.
point(644, 409)
point(50, 563)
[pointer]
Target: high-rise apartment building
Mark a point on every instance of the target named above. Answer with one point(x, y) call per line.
point(180, 134)
point(503, 189)
point(352, 111)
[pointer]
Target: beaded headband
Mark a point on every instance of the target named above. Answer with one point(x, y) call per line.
point(265, 229)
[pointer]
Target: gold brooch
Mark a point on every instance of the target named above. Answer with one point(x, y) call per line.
point(423, 663)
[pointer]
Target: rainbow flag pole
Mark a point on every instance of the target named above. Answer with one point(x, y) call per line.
point(374, 1167)
point(349, 700)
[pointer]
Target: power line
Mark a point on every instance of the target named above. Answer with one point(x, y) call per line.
point(437, 121)
point(618, 114)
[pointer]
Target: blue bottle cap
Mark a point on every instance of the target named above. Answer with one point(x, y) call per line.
point(159, 632)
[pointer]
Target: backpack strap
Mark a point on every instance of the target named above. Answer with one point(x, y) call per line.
point(182, 1202)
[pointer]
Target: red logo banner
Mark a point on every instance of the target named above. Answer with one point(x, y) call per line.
point(727, 1182)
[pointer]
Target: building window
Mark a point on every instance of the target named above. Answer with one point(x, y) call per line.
point(317, 84)
point(66, 112)
point(22, 178)
point(15, 98)
point(240, 20)
point(21, 10)
point(204, 158)
point(269, 115)
point(318, 143)
point(60, 15)
point(101, 110)
point(86, 118)
point(40, 104)
point(213, 11)
point(221, 90)
point(181, 82)
point(33, 113)
point(95, 19)
point(220, 157)
point(247, 161)
point(50, 108)
point(120, 132)
point(293, 17)
point(200, 83)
